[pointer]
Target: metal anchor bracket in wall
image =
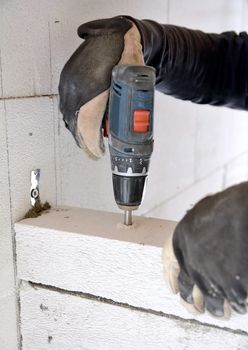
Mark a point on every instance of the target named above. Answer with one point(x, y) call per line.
point(35, 186)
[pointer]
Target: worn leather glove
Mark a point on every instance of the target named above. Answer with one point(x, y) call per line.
point(190, 65)
point(86, 77)
point(206, 259)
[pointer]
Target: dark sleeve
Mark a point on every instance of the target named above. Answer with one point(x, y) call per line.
point(196, 66)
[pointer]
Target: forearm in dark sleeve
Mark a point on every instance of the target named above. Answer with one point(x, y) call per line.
point(196, 66)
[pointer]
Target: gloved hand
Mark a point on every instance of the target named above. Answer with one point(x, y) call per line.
point(206, 260)
point(86, 77)
point(210, 243)
point(190, 65)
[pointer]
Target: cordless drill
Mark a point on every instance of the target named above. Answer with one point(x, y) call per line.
point(130, 132)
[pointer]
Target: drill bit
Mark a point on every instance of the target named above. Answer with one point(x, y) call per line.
point(128, 217)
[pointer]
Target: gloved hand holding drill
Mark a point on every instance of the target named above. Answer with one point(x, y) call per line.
point(85, 79)
point(206, 260)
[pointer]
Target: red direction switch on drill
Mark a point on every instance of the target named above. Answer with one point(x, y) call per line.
point(141, 120)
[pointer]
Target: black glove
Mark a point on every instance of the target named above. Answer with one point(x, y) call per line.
point(190, 65)
point(197, 66)
point(211, 247)
point(85, 79)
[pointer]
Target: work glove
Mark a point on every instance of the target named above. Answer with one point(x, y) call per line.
point(190, 65)
point(86, 77)
point(206, 259)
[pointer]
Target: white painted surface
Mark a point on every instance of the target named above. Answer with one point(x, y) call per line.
point(1, 84)
point(87, 251)
point(175, 206)
point(237, 170)
point(221, 136)
point(51, 320)
point(211, 16)
point(82, 182)
point(9, 331)
point(244, 15)
point(29, 130)
point(42, 34)
point(7, 289)
point(25, 48)
point(31, 142)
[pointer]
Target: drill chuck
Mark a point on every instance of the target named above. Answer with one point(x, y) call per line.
point(131, 132)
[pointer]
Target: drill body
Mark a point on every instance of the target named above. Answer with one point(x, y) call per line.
point(130, 118)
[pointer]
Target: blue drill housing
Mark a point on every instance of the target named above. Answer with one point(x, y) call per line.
point(132, 90)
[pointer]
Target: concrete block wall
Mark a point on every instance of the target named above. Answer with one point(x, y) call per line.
point(68, 321)
point(203, 148)
point(7, 283)
point(88, 282)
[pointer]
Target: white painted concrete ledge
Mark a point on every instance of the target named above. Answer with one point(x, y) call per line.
point(88, 251)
